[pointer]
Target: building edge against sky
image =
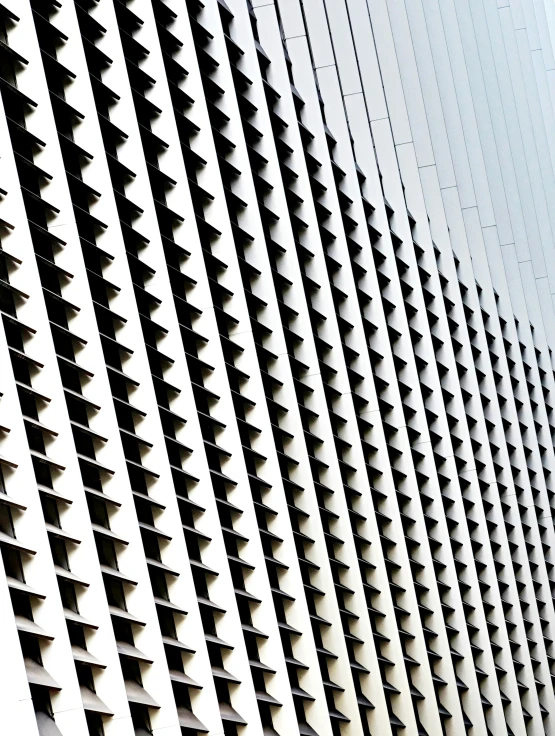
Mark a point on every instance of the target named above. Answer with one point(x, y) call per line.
point(276, 387)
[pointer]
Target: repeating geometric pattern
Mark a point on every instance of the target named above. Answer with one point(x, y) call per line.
point(277, 401)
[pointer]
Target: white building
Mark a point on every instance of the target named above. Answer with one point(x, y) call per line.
point(277, 409)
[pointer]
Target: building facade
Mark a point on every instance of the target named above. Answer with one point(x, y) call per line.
point(277, 392)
